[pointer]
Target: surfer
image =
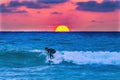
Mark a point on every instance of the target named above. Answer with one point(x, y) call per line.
point(50, 52)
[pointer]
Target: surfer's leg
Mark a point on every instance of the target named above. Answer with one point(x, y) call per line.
point(51, 56)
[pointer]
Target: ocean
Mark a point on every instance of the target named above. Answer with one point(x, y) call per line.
point(79, 56)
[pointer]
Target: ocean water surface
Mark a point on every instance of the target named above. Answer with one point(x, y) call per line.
point(79, 56)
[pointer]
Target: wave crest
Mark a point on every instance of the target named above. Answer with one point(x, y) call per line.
point(88, 57)
point(39, 57)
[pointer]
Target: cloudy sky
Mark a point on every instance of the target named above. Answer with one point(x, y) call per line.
point(46, 15)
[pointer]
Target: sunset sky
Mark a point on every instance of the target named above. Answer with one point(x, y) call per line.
point(46, 15)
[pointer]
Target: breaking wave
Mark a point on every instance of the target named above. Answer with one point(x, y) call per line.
point(39, 57)
point(86, 57)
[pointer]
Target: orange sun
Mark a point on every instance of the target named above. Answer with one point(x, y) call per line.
point(62, 28)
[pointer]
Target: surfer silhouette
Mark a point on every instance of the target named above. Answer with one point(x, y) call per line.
point(50, 52)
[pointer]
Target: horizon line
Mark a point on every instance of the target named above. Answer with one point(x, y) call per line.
point(60, 32)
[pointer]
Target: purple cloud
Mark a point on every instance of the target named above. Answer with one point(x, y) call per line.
point(93, 6)
point(5, 9)
point(13, 5)
point(52, 1)
point(28, 4)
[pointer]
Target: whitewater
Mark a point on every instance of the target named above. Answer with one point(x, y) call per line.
point(82, 57)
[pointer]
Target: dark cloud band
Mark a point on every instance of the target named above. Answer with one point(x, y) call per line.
point(29, 4)
point(5, 9)
point(93, 6)
point(52, 1)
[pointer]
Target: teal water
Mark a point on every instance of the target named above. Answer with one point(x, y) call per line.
point(79, 56)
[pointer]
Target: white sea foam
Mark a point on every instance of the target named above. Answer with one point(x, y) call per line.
point(36, 50)
point(85, 57)
point(88, 57)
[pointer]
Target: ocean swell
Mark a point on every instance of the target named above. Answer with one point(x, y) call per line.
point(86, 57)
point(39, 57)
